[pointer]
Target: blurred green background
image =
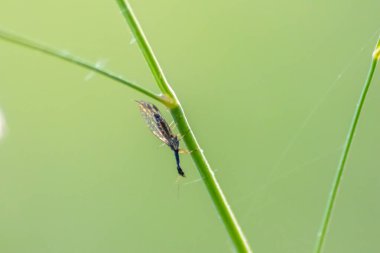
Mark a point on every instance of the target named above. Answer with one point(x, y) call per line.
point(269, 88)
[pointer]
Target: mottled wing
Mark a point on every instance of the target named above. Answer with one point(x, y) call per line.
point(154, 120)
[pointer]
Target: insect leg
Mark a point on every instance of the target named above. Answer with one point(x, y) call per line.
point(180, 137)
point(172, 124)
point(184, 151)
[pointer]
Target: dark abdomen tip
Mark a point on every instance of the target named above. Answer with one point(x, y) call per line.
point(180, 171)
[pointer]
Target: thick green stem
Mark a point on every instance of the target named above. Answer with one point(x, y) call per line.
point(350, 135)
point(212, 185)
point(64, 55)
point(150, 58)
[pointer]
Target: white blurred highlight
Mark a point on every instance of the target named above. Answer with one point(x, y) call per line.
point(100, 64)
point(132, 41)
point(2, 125)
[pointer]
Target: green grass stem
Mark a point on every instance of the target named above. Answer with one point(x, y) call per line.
point(223, 208)
point(346, 149)
point(150, 58)
point(67, 56)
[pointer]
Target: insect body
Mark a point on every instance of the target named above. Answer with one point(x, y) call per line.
point(161, 129)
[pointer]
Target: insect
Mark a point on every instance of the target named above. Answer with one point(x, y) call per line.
point(161, 129)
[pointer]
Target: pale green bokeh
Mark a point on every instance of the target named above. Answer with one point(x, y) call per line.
point(269, 88)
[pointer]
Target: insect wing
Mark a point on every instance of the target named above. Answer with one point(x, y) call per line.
point(154, 120)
